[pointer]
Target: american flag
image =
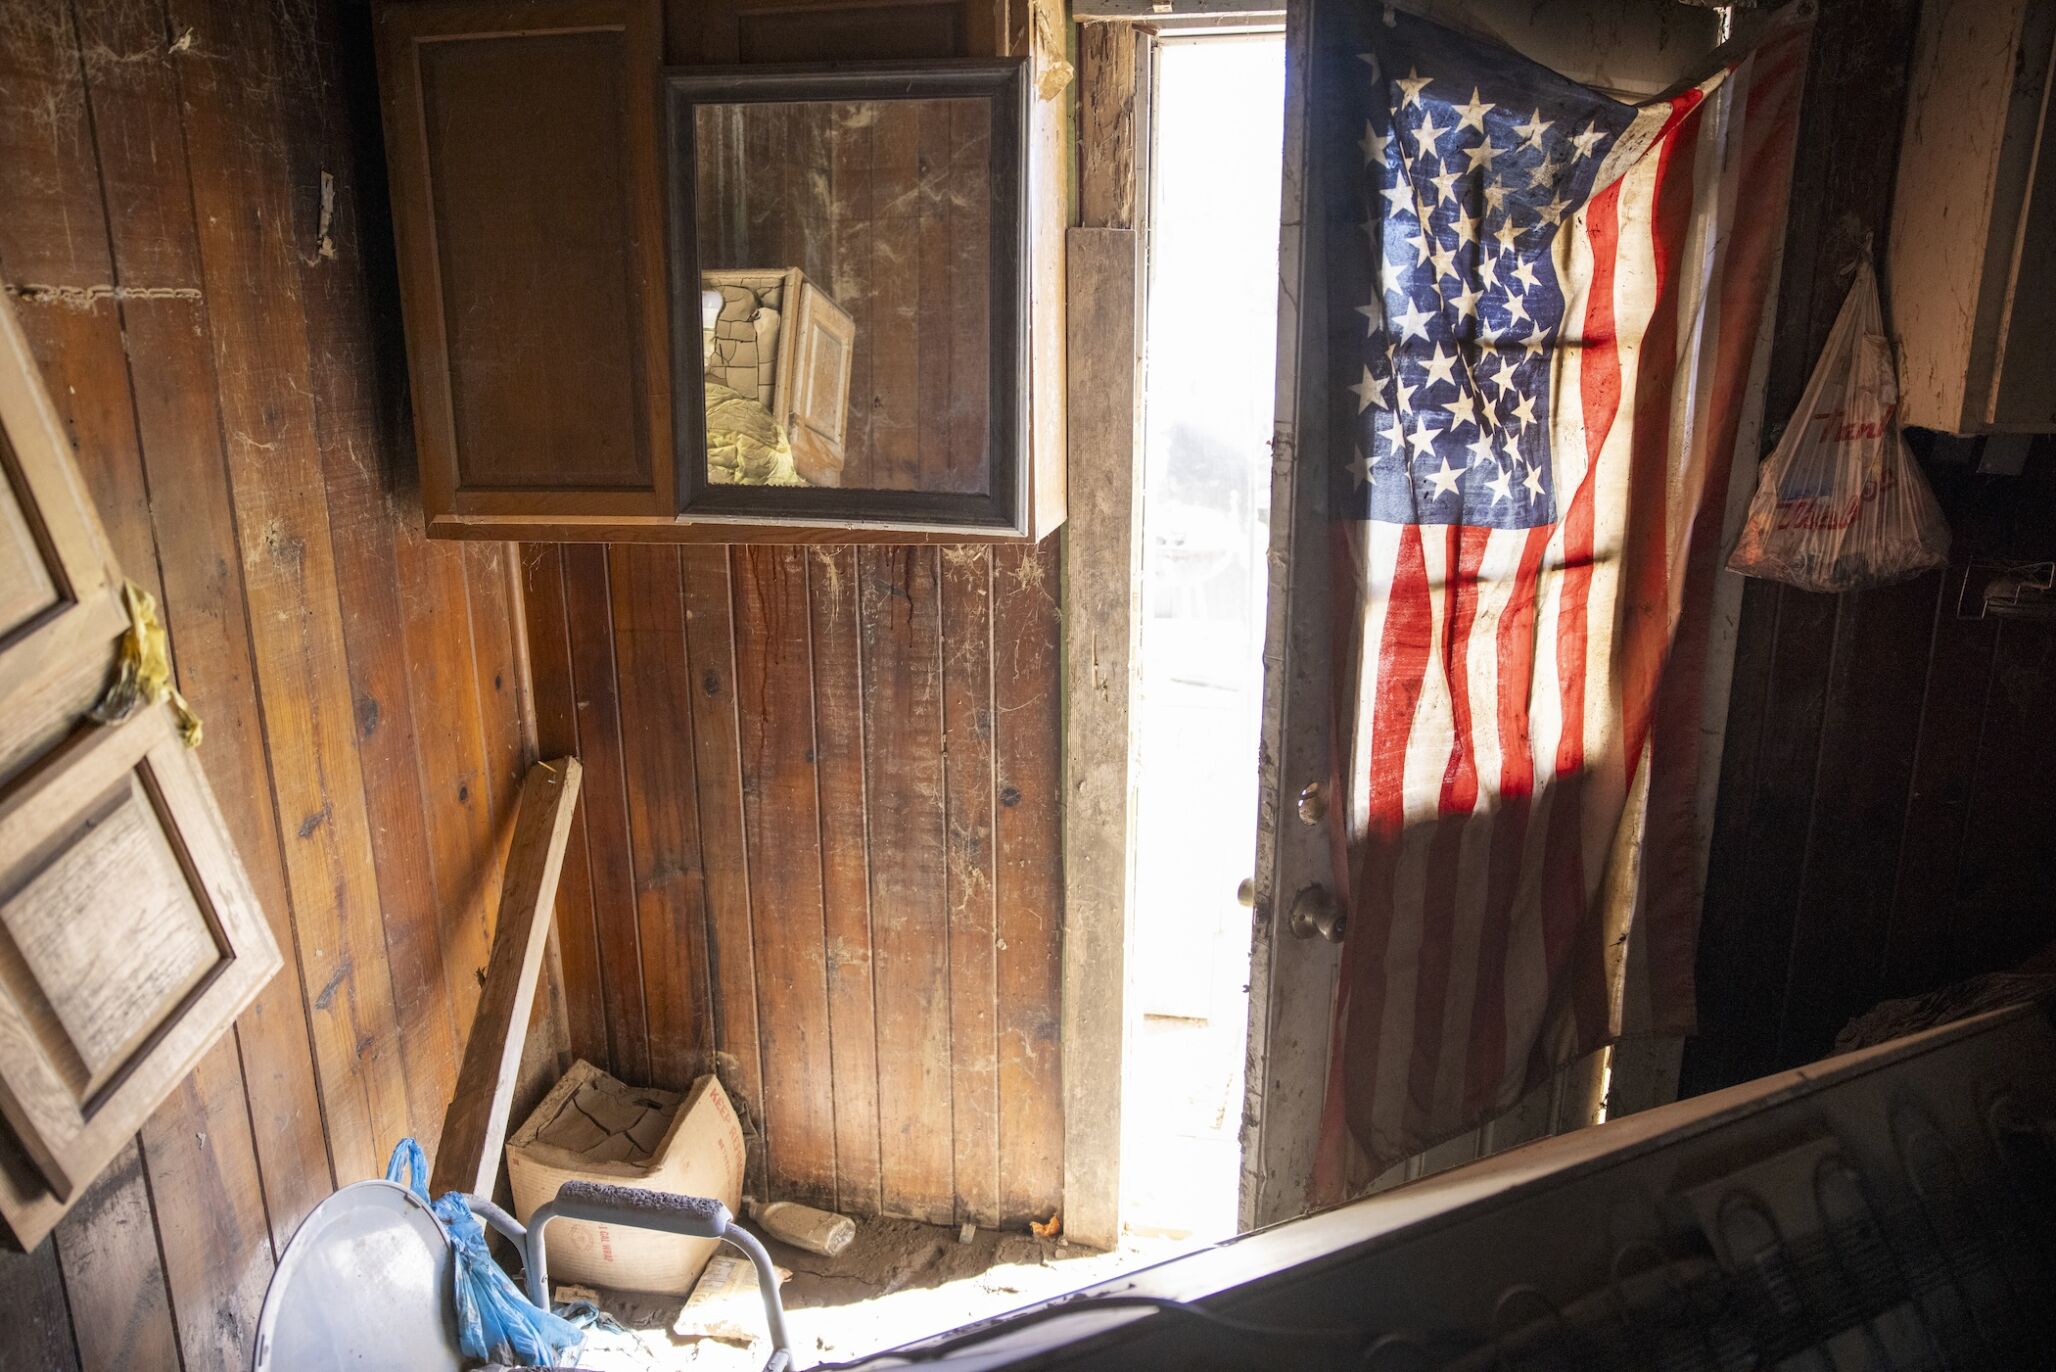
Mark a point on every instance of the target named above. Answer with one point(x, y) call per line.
point(1544, 308)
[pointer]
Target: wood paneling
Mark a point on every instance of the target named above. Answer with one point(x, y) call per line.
point(842, 771)
point(1886, 788)
point(196, 244)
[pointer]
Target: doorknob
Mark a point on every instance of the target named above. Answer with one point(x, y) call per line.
point(1316, 911)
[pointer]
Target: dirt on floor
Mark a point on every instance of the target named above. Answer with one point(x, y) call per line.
point(897, 1282)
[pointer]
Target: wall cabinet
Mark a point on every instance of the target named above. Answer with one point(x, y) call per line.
point(1971, 275)
point(129, 936)
point(558, 244)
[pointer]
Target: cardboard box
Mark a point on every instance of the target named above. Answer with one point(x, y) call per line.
point(592, 1127)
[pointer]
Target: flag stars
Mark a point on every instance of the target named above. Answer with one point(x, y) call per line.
point(1525, 274)
point(1444, 481)
point(1374, 144)
point(1411, 85)
point(1480, 156)
point(1441, 367)
point(1533, 483)
point(1524, 411)
point(1473, 112)
point(1413, 322)
point(1427, 136)
point(1369, 391)
point(1462, 410)
point(1532, 131)
point(1586, 140)
point(1359, 471)
point(1500, 485)
point(1422, 439)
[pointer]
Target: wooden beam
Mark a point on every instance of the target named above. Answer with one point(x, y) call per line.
point(475, 1126)
point(1102, 564)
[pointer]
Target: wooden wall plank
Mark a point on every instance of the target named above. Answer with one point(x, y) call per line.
point(663, 821)
point(967, 762)
point(774, 669)
point(1922, 942)
point(1845, 897)
point(557, 735)
point(588, 608)
point(40, 1336)
point(210, 1214)
point(137, 126)
point(845, 872)
point(707, 610)
point(119, 1280)
point(53, 233)
point(902, 647)
point(854, 254)
point(230, 86)
point(1029, 875)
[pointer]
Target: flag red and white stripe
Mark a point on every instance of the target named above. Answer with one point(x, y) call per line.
point(1522, 706)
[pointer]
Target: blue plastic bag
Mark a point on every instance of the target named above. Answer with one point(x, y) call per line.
point(495, 1321)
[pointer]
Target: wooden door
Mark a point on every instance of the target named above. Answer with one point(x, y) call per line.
point(129, 936)
point(1292, 977)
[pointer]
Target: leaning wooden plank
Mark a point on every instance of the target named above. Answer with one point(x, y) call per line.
point(476, 1124)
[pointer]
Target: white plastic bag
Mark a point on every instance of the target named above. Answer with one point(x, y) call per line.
point(1840, 504)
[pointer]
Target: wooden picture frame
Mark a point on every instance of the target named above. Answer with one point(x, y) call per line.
point(1004, 507)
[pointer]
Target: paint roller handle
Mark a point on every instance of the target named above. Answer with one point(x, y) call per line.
point(699, 1217)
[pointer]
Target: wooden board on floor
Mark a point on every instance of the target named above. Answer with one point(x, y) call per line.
point(468, 1154)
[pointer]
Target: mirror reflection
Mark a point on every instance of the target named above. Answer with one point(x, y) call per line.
point(845, 288)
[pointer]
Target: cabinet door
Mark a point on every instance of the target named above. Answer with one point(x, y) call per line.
point(129, 941)
point(817, 403)
point(60, 601)
point(526, 206)
point(129, 936)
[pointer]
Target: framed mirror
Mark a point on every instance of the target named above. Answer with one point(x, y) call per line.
point(848, 294)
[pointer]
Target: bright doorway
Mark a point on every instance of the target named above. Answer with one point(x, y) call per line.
point(1218, 115)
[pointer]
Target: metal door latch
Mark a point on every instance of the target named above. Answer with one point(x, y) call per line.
point(1316, 911)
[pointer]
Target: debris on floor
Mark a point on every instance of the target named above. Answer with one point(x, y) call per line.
point(802, 1226)
point(897, 1281)
point(725, 1305)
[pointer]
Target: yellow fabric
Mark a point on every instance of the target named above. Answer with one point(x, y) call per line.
point(745, 445)
point(143, 670)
